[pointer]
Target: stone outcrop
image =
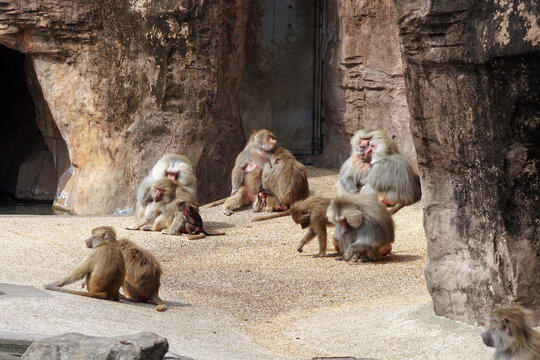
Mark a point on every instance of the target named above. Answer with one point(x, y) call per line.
point(126, 82)
point(116, 84)
point(362, 77)
point(472, 72)
point(144, 345)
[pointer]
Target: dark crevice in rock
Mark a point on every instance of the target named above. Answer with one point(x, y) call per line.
point(25, 153)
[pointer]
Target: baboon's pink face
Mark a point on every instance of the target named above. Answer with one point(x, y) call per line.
point(158, 194)
point(173, 169)
point(265, 140)
point(362, 150)
point(173, 175)
point(89, 242)
point(345, 227)
point(370, 149)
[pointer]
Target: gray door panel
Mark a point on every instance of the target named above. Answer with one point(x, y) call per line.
point(278, 90)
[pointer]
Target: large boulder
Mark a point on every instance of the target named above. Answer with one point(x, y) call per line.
point(126, 82)
point(140, 346)
point(472, 71)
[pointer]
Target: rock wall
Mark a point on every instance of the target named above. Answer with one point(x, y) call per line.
point(472, 71)
point(362, 77)
point(126, 81)
point(116, 84)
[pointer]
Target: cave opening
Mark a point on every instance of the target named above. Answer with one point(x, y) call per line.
point(29, 170)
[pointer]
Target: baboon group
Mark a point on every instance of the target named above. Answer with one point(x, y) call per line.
point(374, 183)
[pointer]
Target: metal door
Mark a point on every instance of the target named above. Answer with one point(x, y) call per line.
point(279, 90)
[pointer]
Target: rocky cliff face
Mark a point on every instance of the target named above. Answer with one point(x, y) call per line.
point(116, 84)
point(362, 77)
point(125, 82)
point(472, 72)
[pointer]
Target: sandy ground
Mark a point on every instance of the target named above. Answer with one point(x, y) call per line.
point(246, 295)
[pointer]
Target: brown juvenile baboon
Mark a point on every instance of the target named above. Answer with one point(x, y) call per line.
point(156, 219)
point(143, 275)
point(311, 213)
point(286, 178)
point(246, 174)
point(355, 169)
point(362, 225)
point(193, 223)
point(511, 332)
point(172, 166)
point(103, 270)
point(391, 178)
point(284, 182)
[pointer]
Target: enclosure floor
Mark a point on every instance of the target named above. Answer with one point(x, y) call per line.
point(246, 295)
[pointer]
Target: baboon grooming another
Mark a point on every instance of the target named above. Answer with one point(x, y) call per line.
point(391, 177)
point(511, 332)
point(362, 225)
point(286, 178)
point(353, 172)
point(284, 181)
point(143, 275)
point(376, 168)
point(103, 270)
point(172, 166)
point(156, 218)
point(246, 174)
point(311, 213)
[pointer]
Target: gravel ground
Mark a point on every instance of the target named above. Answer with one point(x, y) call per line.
point(245, 295)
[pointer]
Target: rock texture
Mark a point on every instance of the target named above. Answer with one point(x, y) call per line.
point(472, 71)
point(78, 346)
point(116, 84)
point(128, 81)
point(362, 77)
point(8, 357)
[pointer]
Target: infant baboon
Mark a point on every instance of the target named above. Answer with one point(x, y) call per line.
point(103, 270)
point(193, 223)
point(188, 221)
point(311, 213)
